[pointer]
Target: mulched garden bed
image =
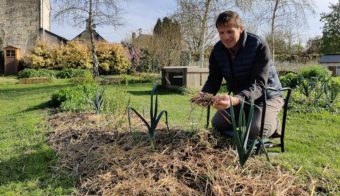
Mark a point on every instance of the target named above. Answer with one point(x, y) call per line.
point(107, 160)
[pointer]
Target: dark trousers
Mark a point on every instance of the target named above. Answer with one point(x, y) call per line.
point(222, 119)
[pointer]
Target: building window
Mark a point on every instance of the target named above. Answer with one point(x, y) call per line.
point(10, 53)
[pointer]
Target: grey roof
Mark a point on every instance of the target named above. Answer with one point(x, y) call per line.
point(334, 58)
point(53, 35)
point(85, 35)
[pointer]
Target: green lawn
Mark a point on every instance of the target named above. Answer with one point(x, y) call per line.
point(26, 160)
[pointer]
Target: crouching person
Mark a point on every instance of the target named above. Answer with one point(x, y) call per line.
point(243, 60)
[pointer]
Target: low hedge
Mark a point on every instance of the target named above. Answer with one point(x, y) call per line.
point(71, 73)
point(34, 73)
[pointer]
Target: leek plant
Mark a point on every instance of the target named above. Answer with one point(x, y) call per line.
point(154, 115)
point(97, 100)
point(241, 133)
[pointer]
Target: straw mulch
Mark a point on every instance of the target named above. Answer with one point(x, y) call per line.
point(110, 162)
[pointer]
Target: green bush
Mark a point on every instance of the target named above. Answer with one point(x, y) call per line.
point(74, 99)
point(290, 80)
point(314, 95)
point(74, 54)
point(315, 71)
point(86, 78)
point(41, 56)
point(70, 73)
point(336, 82)
point(112, 58)
point(32, 73)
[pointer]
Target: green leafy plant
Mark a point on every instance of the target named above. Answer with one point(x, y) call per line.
point(98, 100)
point(33, 73)
point(315, 94)
point(73, 98)
point(290, 80)
point(71, 73)
point(331, 95)
point(154, 115)
point(241, 133)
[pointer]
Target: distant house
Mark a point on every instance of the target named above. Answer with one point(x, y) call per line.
point(49, 37)
point(332, 61)
point(85, 37)
point(142, 40)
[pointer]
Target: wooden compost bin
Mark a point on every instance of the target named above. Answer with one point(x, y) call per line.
point(189, 77)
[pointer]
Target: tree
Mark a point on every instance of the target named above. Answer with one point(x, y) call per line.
point(197, 21)
point(90, 12)
point(167, 42)
point(330, 41)
point(313, 45)
point(283, 15)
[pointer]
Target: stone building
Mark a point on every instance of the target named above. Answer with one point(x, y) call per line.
point(22, 24)
point(21, 21)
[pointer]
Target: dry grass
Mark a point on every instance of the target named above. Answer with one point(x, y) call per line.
point(110, 162)
point(203, 100)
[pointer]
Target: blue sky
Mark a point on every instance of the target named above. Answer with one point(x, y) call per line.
point(144, 14)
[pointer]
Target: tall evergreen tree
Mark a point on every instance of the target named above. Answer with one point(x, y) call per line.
point(330, 41)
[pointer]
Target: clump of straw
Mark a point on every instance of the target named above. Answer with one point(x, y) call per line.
point(203, 100)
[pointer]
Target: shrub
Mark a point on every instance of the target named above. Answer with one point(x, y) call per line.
point(148, 62)
point(70, 73)
point(74, 98)
point(32, 73)
point(86, 78)
point(315, 94)
point(113, 58)
point(73, 55)
point(315, 71)
point(289, 80)
point(40, 57)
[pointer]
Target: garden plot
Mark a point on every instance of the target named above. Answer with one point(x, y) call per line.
point(110, 161)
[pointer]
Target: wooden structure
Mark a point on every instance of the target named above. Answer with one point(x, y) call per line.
point(332, 62)
point(11, 59)
point(189, 77)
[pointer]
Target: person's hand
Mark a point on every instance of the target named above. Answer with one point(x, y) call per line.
point(223, 102)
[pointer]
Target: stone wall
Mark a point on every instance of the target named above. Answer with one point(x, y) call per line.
point(20, 21)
